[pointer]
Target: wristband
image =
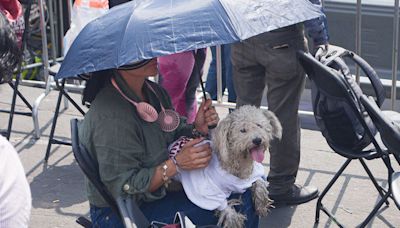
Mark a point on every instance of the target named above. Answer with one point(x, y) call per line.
point(164, 175)
point(173, 158)
point(198, 134)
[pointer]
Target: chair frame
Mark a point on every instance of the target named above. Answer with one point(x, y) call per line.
point(62, 92)
point(338, 87)
point(15, 85)
point(390, 135)
point(125, 207)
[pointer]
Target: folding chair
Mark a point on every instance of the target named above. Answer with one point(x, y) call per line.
point(62, 93)
point(332, 84)
point(15, 85)
point(61, 85)
point(127, 208)
point(390, 135)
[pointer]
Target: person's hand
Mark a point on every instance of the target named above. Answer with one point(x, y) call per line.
point(194, 157)
point(321, 51)
point(206, 116)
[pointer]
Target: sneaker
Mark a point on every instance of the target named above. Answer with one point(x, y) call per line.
point(296, 195)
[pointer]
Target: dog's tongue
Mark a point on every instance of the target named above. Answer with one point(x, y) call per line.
point(257, 153)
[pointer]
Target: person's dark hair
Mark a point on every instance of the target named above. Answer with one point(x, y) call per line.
point(10, 52)
point(97, 80)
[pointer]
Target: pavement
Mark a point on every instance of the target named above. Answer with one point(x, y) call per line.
point(58, 187)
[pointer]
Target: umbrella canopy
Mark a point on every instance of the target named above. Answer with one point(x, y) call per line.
point(150, 28)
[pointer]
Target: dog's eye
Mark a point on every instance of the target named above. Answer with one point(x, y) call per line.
point(259, 125)
point(243, 130)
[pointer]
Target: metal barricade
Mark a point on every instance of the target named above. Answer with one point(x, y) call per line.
point(48, 83)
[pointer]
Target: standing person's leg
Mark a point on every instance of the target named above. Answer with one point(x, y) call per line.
point(211, 83)
point(228, 73)
point(285, 83)
point(248, 74)
point(193, 84)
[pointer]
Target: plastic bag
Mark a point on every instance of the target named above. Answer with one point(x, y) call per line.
point(180, 221)
point(82, 13)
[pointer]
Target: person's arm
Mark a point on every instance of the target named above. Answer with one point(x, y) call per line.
point(206, 116)
point(15, 194)
point(167, 170)
point(120, 153)
point(189, 158)
point(317, 29)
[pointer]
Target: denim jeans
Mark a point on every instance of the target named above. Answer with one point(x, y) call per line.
point(227, 81)
point(164, 210)
point(104, 217)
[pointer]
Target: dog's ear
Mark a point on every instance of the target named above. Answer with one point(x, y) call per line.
point(275, 123)
point(220, 137)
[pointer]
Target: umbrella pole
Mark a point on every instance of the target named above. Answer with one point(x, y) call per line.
point(202, 87)
point(198, 71)
point(197, 68)
point(218, 61)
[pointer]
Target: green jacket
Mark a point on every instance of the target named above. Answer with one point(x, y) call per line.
point(126, 147)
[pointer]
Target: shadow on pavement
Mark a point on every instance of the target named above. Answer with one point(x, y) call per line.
point(58, 187)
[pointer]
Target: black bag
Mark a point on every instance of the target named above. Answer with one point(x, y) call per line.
point(334, 116)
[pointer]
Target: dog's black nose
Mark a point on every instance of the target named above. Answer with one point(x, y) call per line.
point(257, 141)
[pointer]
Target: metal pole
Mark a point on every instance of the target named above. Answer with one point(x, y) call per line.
point(45, 57)
point(52, 33)
point(69, 10)
point(61, 34)
point(218, 62)
point(358, 37)
point(45, 54)
point(395, 52)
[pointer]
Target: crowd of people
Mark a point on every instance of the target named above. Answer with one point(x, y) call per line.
point(130, 143)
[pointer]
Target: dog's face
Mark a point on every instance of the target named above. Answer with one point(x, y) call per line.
point(243, 137)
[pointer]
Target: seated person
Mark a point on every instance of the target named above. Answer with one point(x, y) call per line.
point(15, 194)
point(129, 140)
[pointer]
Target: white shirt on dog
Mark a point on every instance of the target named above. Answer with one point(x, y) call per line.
point(210, 187)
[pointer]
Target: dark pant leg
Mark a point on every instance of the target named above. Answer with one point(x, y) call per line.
point(104, 217)
point(247, 208)
point(211, 83)
point(164, 210)
point(228, 73)
point(285, 82)
point(248, 74)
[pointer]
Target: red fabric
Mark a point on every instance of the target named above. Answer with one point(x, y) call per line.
point(12, 9)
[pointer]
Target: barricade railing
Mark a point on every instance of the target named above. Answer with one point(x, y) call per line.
point(49, 83)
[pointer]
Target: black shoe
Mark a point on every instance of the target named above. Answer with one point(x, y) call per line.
point(296, 195)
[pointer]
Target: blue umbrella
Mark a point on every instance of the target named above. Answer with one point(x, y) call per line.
point(150, 28)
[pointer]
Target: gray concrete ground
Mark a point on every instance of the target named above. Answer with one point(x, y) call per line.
point(58, 187)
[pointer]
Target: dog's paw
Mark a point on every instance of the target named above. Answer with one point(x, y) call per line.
point(262, 203)
point(230, 218)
